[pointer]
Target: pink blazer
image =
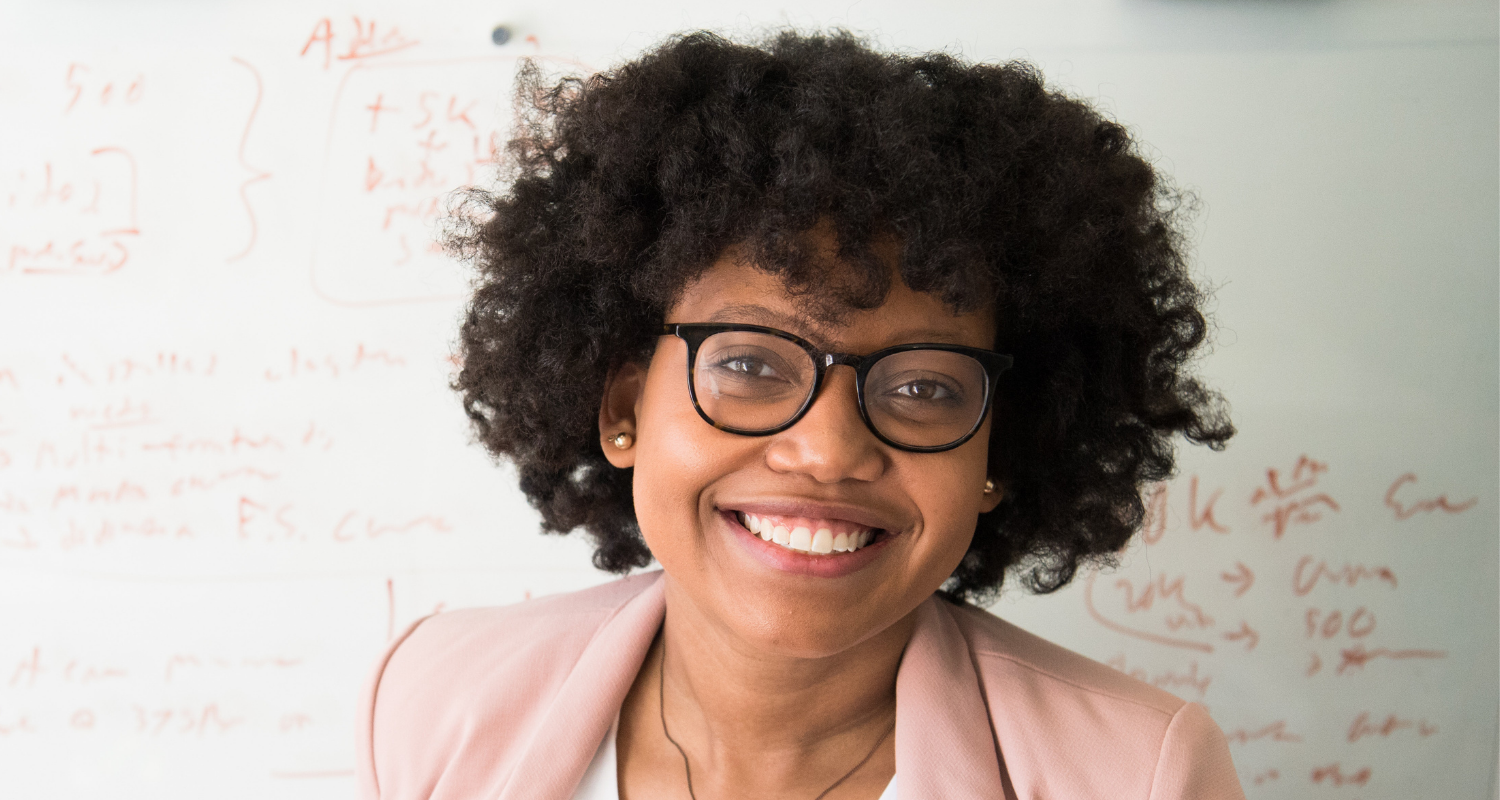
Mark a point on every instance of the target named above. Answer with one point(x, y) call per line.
point(511, 703)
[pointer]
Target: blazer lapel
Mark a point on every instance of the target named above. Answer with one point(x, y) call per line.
point(588, 702)
point(944, 745)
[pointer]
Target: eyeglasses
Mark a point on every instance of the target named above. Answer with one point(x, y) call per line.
point(756, 381)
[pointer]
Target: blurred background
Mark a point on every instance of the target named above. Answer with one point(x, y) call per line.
point(230, 467)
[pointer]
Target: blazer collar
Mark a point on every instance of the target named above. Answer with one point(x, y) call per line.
point(944, 745)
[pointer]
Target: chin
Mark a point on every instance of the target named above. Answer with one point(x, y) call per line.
point(795, 633)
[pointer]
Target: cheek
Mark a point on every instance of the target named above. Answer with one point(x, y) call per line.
point(951, 493)
point(674, 462)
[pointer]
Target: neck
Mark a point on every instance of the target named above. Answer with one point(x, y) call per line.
point(750, 719)
point(744, 696)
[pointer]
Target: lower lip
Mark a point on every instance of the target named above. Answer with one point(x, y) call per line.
point(829, 565)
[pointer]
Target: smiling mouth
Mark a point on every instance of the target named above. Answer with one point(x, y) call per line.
point(807, 535)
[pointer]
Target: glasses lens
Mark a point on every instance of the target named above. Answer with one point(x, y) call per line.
point(751, 381)
point(925, 398)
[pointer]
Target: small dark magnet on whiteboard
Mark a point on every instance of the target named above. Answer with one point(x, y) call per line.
point(500, 35)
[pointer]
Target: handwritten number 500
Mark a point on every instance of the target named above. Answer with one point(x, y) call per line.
point(1357, 625)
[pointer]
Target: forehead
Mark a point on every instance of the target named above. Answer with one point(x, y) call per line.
point(734, 290)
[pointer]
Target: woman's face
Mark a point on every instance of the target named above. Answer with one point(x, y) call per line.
point(695, 486)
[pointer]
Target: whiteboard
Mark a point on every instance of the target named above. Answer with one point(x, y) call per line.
point(230, 468)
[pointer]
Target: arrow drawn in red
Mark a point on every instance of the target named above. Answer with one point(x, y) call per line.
point(1242, 575)
point(1245, 633)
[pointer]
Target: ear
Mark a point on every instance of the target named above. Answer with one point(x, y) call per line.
point(991, 500)
point(617, 410)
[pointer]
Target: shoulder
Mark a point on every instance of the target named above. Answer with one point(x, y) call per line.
point(554, 623)
point(456, 650)
point(466, 687)
point(1002, 649)
point(1065, 722)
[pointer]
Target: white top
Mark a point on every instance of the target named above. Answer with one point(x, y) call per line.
point(600, 782)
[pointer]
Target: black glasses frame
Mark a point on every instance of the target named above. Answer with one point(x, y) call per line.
point(694, 334)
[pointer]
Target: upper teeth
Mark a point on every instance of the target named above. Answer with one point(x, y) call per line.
point(808, 536)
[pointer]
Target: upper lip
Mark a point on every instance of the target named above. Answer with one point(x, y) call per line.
point(811, 509)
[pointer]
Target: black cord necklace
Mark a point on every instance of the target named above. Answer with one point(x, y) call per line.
point(661, 699)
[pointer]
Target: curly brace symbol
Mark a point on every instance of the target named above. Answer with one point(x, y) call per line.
point(257, 174)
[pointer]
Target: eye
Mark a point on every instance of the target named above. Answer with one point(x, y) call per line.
point(747, 366)
point(927, 391)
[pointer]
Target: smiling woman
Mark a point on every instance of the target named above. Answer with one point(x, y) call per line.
point(838, 339)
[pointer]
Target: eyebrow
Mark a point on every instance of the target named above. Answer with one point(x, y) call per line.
point(738, 313)
point(809, 330)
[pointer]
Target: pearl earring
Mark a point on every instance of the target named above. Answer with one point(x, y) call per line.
point(989, 485)
point(622, 440)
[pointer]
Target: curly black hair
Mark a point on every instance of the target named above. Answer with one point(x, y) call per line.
point(624, 186)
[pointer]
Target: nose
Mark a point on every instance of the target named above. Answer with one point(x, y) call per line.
point(830, 443)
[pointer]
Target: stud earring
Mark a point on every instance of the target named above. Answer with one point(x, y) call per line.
point(622, 440)
point(989, 485)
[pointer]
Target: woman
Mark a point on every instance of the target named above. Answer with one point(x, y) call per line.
point(837, 338)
